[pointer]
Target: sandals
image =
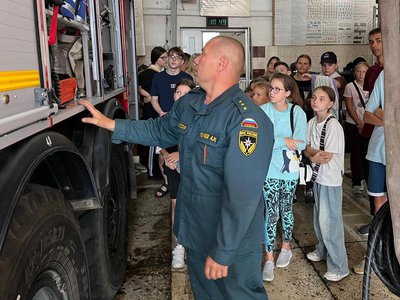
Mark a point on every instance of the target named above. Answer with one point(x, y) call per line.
point(162, 191)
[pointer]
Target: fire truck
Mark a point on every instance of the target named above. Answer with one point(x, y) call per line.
point(63, 185)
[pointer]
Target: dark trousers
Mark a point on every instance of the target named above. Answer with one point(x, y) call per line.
point(358, 163)
point(244, 281)
point(358, 150)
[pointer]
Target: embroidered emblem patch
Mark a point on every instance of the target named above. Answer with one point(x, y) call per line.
point(247, 141)
point(249, 122)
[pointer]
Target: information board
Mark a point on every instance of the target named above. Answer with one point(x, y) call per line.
point(225, 8)
point(323, 22)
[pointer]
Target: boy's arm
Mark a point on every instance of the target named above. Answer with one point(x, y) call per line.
point(156, 105)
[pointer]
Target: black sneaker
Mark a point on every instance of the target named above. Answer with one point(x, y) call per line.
point(364, 230)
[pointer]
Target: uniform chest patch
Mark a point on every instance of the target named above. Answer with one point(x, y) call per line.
point(247, 141)
point(249, 122)
point(208, 137)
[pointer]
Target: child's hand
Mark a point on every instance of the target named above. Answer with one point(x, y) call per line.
point(322, 157)
point(170, 165)
point(306, 76)
point(360, 126)
point(173, 157)
point(292, 143)
point(164, 154)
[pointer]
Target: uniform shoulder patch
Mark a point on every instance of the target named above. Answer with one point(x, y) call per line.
point(249, 123)
point(247, 141)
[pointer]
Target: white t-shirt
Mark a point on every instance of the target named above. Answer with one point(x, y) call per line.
point(351, 92)
point(330, 174)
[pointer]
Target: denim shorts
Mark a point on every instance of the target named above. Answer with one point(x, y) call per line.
point(376, 179)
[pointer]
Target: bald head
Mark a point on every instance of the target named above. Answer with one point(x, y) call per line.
point(220, 65)
point(233, 50)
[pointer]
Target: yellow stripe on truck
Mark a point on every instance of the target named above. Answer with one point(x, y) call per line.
point(15, 80)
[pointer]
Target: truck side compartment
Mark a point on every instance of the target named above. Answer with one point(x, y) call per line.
point(64, 185)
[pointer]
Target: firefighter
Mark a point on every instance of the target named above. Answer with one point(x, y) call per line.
point(225, 149)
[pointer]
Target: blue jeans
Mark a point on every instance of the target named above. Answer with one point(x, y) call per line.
point(328, 227)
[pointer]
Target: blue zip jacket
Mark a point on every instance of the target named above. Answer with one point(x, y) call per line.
point(225, 151)
point(284, 164)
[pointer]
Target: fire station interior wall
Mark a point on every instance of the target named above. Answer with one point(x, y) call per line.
point(158, 32)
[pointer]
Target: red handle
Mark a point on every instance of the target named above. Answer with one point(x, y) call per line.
point(53, 27)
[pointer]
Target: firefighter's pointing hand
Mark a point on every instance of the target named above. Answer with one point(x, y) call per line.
point(97, 118)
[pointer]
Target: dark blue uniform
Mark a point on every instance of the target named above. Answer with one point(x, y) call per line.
point(225, 151)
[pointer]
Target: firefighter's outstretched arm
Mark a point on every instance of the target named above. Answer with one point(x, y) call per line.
point(97, 118)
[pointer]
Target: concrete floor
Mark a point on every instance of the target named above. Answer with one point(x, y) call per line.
point(303, 279)
point(150, 277)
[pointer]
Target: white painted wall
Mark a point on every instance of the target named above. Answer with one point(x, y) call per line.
point(158, 32)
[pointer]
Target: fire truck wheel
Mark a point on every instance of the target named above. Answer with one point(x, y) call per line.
point(43, 256)
point(107, 236)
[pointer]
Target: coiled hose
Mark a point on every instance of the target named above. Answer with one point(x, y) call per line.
point(381, 256)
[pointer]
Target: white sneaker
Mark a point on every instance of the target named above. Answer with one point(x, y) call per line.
point(335, 277)
point(313, 256)
point(363, 185)
point(356, 189)
point(284, 258)
point(268, 271)
point(178, 257)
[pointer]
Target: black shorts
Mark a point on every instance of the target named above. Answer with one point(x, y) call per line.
point(173, 181)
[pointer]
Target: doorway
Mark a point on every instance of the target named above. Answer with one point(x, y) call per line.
point(193, 40)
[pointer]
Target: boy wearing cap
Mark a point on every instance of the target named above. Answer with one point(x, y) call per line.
point(329, 68)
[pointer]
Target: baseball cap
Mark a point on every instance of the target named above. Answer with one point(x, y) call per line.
point(328, 57)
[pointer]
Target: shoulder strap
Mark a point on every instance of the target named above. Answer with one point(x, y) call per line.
point(359, 94)
point(291, 124)
point(292, 117)
point(323, 132)
point(321, 147)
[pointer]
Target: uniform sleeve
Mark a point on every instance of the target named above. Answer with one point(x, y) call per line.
point(376, 98)
point(153, 132)
point(244, 174)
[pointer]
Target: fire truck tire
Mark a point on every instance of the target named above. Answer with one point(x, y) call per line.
point(43, 256)
point(107, 250)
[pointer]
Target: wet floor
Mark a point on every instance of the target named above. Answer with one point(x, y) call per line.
point(149, 273)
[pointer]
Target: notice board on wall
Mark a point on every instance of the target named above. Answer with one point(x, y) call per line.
point(304, 22)
point(225, 8)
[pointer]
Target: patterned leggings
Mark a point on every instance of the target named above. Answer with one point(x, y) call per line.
point(278, 197)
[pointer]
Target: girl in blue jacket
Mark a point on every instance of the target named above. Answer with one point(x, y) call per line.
point(283, 174)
